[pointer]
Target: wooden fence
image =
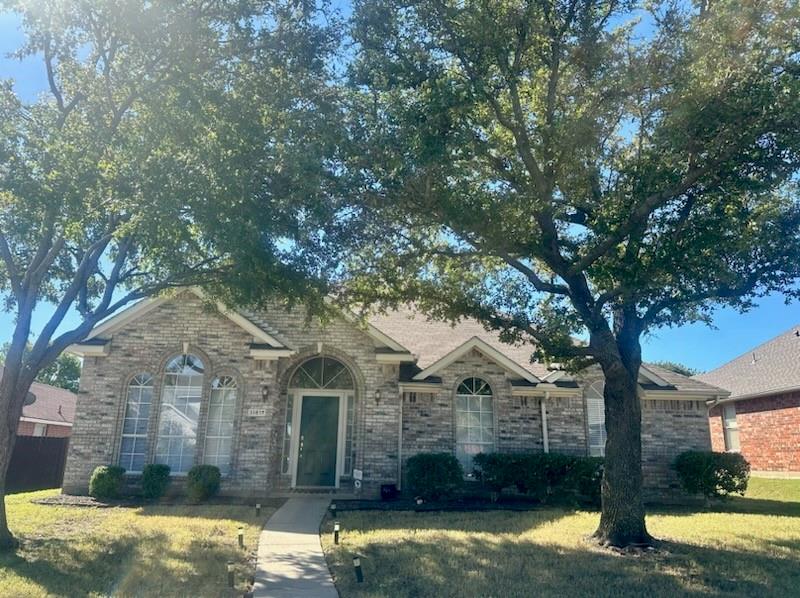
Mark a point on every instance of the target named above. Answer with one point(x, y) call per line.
point(36, 463)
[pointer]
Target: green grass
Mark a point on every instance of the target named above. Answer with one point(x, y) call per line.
point(748, 547)
point(146, 551)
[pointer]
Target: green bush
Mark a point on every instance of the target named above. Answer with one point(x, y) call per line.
point(434, 475)
point(155, 479)
point(106, 481)
point(202, 482)
point(714, 475)
point(541, 474)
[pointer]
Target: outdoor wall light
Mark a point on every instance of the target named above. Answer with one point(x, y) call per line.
point(265, 393)
point(377, 396)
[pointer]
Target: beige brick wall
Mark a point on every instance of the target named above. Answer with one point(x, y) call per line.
point(145, 344)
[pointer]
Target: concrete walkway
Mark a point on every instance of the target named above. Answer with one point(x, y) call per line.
point(290, 559)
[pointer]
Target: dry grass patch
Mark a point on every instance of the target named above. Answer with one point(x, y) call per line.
point(143, 551)
point(748, 547)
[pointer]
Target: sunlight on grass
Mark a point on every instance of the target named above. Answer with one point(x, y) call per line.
point(152, 550)
point(545, 552)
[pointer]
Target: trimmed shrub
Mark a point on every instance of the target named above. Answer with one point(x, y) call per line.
point(202, 482)
point(434, 475)
point(714, 475)
point(106, 481)
point(541, 474)
point(155, 479)
point(585, 478)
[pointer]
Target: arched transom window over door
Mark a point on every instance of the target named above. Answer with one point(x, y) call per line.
point(596, 419)
point(474, 421)
point(180, 411)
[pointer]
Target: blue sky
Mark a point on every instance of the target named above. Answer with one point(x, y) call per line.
point(695, 345)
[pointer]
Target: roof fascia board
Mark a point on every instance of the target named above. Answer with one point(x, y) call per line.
point(483, 347)
point(271, 354)
point(395, 357)
point(49, 422)
point(682, 395)
point(89, 350)
point(420, 386)
point(650, 375)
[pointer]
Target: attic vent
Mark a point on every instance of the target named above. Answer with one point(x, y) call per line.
point(755, 359)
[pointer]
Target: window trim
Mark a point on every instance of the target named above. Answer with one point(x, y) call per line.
point(597, 387)
point(729, 425)
point(237, 388)
point(146, 435)
point(203, 401)
point(456, 395)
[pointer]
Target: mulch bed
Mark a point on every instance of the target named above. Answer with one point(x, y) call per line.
point(460, 505)
point(69, 500)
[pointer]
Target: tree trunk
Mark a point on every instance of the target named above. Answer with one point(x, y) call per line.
point(622, 522)
point(14, 386)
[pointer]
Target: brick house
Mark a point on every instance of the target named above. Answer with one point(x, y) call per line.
point(49, 411)
point(280, 402)
point(761, 417)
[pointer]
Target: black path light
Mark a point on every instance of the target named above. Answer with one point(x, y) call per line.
point(230, 574)
point(357, 567)
point(333, 509)
point(336, 529)
point(258, 509)
point(241, 537)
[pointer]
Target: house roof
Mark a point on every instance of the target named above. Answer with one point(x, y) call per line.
point(770, 368)
point(433, 342)
point(52, 404)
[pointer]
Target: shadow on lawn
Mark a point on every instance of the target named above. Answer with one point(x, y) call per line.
point(486, 567)
point(121, 566)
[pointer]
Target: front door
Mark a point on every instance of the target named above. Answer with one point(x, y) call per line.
point(316, 452)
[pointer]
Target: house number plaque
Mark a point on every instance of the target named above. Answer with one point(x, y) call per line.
point(257, 412)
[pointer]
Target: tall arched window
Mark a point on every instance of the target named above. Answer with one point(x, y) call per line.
point(133, 445)
point(474, 421)
point(219, 426)
point(180, 409)
point(596, 419)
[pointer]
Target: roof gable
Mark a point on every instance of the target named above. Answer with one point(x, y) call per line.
point(480, 345)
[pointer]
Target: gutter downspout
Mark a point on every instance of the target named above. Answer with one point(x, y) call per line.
point(400, 444)
point(545, 438)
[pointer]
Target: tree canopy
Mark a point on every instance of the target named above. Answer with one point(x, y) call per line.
point(591, 168)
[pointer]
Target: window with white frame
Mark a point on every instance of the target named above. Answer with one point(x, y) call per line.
point(40, 429)
point(219, 424)
point(474, 421)
point(596, 419)
point(730, 428)
point(180, 409)
point(133, 445)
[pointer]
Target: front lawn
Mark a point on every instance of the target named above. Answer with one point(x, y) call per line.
point(144, 551)
point(749, 547)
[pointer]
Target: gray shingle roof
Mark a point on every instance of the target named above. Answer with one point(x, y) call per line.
point(769, 368)
point(431, 340)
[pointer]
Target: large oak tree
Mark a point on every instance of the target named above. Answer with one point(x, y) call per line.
point(179, 143)
point(590, 168)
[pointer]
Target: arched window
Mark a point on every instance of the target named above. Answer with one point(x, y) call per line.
point(133, 446)
point(322, 373)
point(180, 408)
point(474, 421)
point(219, 426)
point(596, 419)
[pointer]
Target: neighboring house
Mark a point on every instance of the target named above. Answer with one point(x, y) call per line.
point(280, 402)
point(761, 417)
point(48, 411)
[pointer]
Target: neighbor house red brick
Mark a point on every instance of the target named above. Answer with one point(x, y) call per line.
point(765, 391)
